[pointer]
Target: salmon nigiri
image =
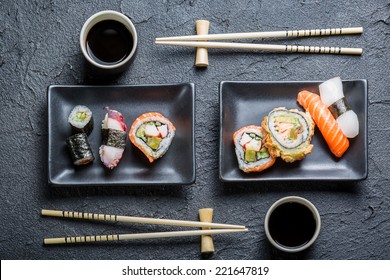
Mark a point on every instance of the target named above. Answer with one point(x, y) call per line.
point(326, 123)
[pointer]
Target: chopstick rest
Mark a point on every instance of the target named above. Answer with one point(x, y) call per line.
point(206, 241)
point(202, 58)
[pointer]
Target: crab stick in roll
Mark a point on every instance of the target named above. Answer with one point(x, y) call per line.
point(338, 143)
point(252, 156)
point(152, 133)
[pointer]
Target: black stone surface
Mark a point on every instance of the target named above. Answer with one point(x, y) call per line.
point(39, 47)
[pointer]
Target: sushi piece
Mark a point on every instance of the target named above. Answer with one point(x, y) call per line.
point(81, 120)
point(80, 149)
point(113, 139)
point(332, 95)
point(289, 133)
point(152, 133)
point(338, 143)
point(252, 156)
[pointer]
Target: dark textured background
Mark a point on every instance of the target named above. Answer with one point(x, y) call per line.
point(39, 47)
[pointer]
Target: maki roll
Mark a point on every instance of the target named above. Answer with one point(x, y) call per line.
point(152, 133)
point(289, 133)
point(81, 120)
point(113, 139)
point(332, 95)
point(252, 156)
point(80, 149)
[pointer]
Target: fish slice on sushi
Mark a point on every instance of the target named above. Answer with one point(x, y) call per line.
point(338, 143)
point(152, 133)
point(113, 138)
point(289, 133)
point(252, 156)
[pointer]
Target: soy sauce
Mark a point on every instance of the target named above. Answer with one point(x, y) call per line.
point(109, 42)
point(292, 224)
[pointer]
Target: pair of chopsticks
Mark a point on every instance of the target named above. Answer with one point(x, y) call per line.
point(218, 228)
point(195, 41)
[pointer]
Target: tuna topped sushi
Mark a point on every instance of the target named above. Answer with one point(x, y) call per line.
point(114, 138)
point(152, 133)
point(252, 156)
point(289, 133)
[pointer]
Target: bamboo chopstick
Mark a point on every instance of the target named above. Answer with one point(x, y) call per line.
point(132, 219)
point(268, 34)
point(265, 47)
point(134, 236)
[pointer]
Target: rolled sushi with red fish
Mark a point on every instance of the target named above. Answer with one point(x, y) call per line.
point(152, 133)
point(113, 138)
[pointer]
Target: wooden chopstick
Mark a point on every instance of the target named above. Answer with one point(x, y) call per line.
point(265, 47)
point(268, 34)
point(133, 236)
point(132, 219)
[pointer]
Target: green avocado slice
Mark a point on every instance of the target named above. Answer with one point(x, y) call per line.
point(153, 142)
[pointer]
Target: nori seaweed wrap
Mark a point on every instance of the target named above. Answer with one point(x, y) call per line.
point(114, 138)
point(80, 149)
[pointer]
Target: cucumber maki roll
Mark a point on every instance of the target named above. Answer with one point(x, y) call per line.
point(81, 120)
point(252, 156)
point(80, 149)
point(289, 133)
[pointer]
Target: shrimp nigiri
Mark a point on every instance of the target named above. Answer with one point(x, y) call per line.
point(326, 123)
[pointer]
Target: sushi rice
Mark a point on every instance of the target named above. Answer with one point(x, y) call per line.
point(332, 95)
point(81, 120)
point(154, 124)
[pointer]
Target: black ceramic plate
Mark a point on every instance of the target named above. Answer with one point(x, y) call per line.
point(176, 102)
point(245, 103)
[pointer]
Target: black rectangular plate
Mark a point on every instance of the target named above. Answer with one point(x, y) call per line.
point(246, 103)
point(176, 102)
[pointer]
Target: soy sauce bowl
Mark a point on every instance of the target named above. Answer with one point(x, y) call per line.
point(109, 66)
point(292, 224)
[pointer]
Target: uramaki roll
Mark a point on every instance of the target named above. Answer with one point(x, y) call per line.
point(252, 156)
point(152, 133)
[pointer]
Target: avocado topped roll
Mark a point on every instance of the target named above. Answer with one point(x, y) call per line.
point(152, 133)
point(252, 156)
point(289, 133)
